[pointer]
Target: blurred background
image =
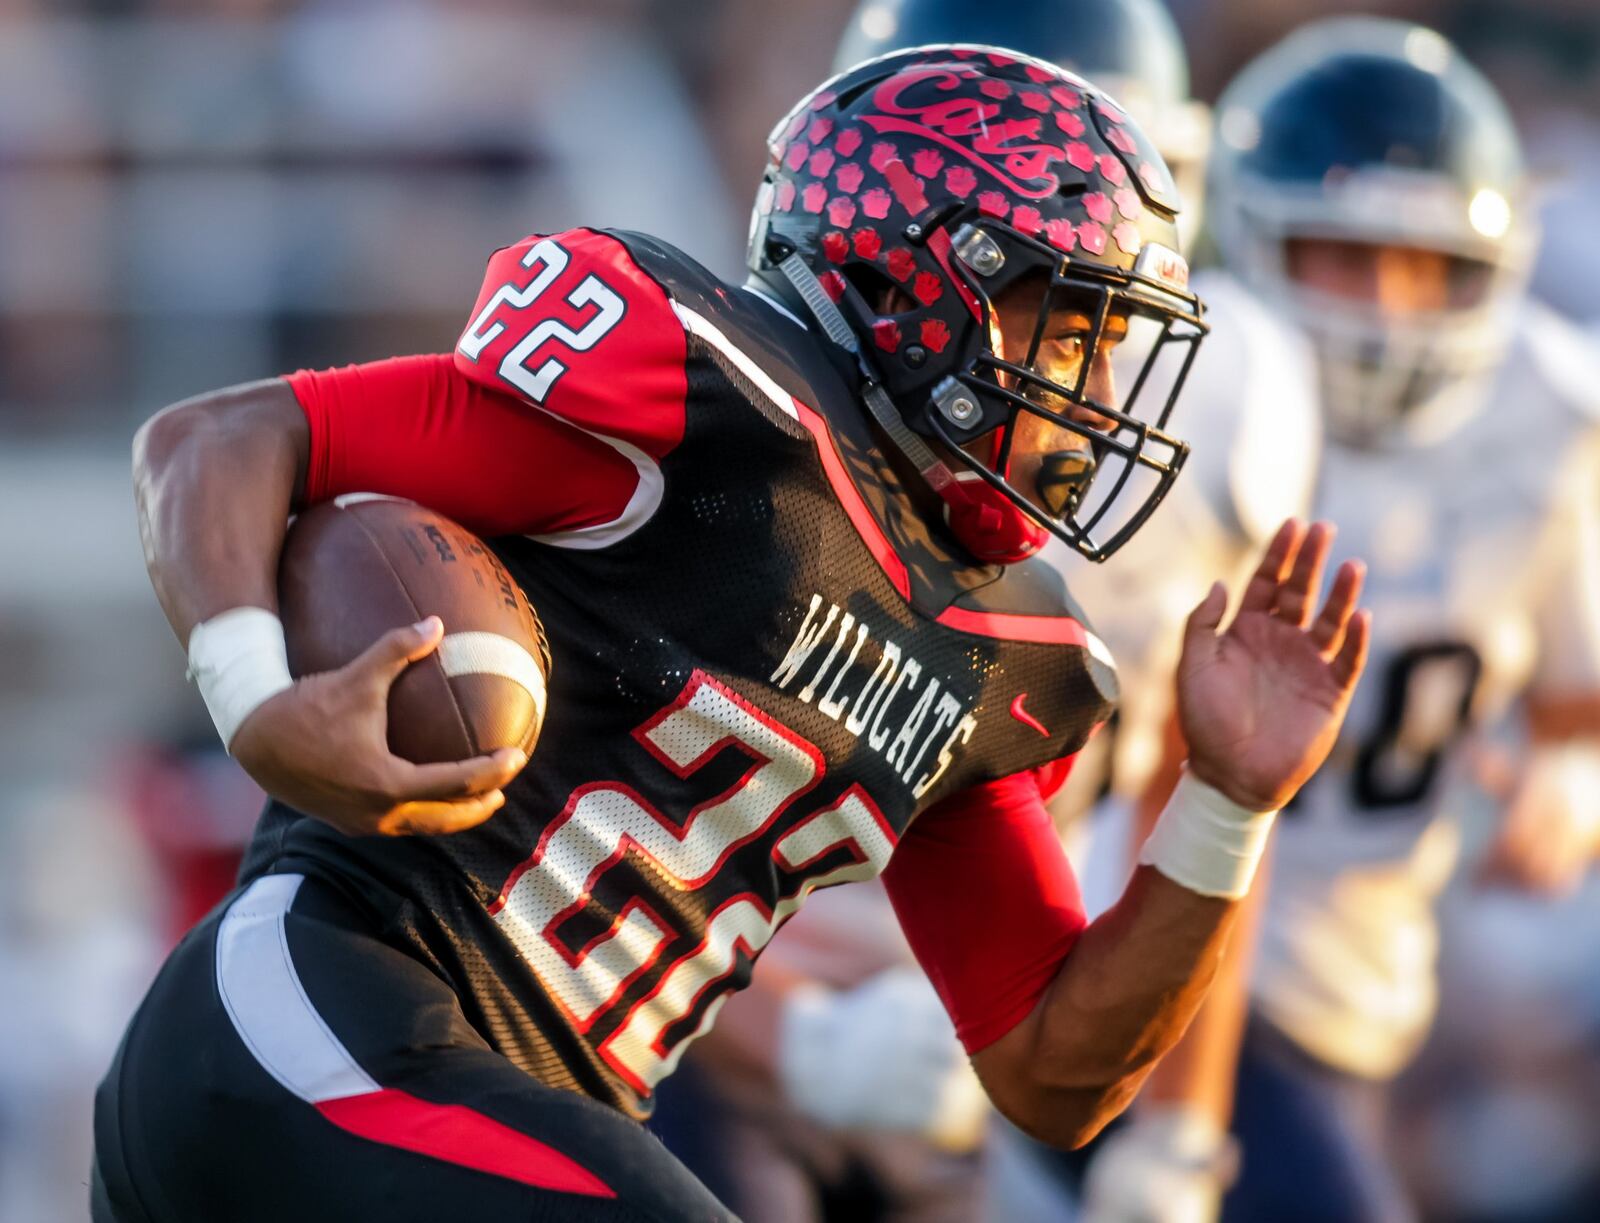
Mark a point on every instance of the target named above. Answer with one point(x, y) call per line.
point(201, 192)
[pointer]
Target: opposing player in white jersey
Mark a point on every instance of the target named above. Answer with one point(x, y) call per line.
point(837, 1074)
point(1367, 184)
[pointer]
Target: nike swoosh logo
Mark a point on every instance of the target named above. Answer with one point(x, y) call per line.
point(1026, 718)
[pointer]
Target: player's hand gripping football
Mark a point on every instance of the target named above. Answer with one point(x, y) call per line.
point(1261, 702)
point(322, 747)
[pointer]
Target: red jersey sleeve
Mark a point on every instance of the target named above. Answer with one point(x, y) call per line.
point(565, 391)
point(572, 325)
point(988, 902)
point(414, 427)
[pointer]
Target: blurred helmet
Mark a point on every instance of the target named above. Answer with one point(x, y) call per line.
point(1377, 132)
point(1130, 49)
point(903, 197)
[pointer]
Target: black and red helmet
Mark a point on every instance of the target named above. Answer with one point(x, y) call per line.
point(951, 173)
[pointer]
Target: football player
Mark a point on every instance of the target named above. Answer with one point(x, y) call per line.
point(1367, 183)
point(805, 1121)
point(780, 538)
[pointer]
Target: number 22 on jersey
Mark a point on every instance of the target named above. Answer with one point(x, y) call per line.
point(551, 259)
point(604, 821)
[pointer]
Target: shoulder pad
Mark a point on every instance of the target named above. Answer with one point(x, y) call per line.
point(573, 325)
point(753, 327)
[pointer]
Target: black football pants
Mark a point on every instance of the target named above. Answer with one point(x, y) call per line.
point(287, 1065)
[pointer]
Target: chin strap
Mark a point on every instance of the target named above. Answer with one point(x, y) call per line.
point(985, 521)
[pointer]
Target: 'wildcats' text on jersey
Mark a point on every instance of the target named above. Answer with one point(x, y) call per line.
point(903, 735)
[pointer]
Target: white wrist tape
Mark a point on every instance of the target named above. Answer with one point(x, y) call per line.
point(1206, 841)
point(239, 661)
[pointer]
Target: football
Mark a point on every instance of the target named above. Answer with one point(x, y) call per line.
point(362, 564)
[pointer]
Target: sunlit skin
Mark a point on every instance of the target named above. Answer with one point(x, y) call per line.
point(1012, 319)
point(1060, 359)
point(1400, 281)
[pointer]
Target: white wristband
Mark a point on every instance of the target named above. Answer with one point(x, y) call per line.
point(1206, 841)
point(239, 661)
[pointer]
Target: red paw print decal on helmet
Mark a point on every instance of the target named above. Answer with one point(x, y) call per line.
point(867, 242)
point(796, 156)
point(1080, 156)
point(814, 197)
point(835, 247)
point(901, 263)
point(1118, 138)
point(821, 163)
point(1071, 124)
point(848, 143)
point(882, 154)
point(1092, 238)
point(1112, 169)
point(1063, 235)
point(961, 181)
point(886, 334)
point(841, 211)
point(927, 162)
point(935, 335)
point(849, 177)
point(1098, 205)
point(819, 130)
point(927, 288)
point(876, 202)
point(993, 204)
point(1026, 220)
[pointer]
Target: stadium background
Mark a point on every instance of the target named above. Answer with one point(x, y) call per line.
point(200, 192)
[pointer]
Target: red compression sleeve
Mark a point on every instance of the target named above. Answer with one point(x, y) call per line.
point(415, 427)
point(988, 901)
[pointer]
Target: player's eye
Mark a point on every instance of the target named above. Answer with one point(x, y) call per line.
point(1073, 331)
point(1067, 344)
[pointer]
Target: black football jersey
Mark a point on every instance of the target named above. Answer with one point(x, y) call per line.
point(762, 673)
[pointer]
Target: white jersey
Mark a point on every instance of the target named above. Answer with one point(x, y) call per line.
point(1249, 411)
point(1484, 583)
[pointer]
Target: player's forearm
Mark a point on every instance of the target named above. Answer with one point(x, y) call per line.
point(1122, 999)
point(214, 481)
point(1197, 1075)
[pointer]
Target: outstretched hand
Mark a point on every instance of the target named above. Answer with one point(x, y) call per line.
point(1261, 702)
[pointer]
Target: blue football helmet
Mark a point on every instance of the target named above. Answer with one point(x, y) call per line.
point(1378, 133)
